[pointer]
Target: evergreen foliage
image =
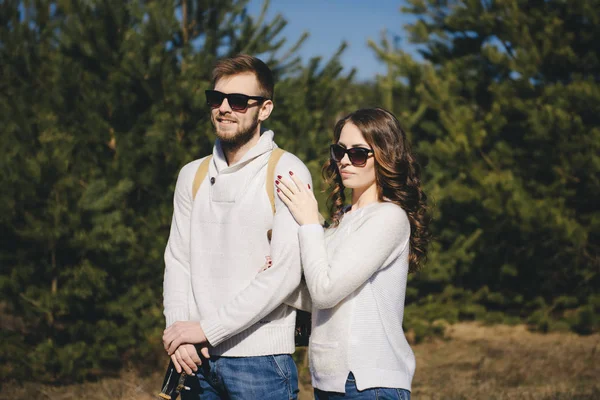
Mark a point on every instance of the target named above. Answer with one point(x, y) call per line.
point(102, 102)
point(504, 110)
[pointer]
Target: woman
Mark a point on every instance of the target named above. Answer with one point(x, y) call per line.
point(356, 270)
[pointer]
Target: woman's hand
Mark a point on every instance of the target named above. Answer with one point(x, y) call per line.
point(299, 199)
point(268, 264)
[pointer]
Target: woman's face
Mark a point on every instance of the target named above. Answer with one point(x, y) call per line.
point(355, 177)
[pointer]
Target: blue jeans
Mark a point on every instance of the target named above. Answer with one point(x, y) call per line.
point(352, 393)
point(262, 377)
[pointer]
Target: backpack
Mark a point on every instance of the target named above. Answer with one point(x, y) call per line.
point(303, 322)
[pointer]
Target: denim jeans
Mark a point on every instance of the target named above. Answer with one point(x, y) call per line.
point(262, 377)
point(352, 393)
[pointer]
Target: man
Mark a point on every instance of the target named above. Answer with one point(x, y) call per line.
point(214, 295)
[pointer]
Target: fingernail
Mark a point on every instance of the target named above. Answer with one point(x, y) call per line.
point(279, 176)
point(309, 185)
point(278, 190)
point(277, 182)
point(291, 173)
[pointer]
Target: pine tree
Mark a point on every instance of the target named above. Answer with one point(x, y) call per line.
point(510, 140)
point(102, 103)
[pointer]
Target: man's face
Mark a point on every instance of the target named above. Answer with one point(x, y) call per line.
point(237, 127)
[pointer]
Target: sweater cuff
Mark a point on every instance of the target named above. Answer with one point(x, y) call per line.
point(309, 235)
point(213, 330)
point(178, 314)
point(309, 229)
point(312, 248)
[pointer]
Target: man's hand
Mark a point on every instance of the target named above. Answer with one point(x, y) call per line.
point(182, 332)
point(186, 358)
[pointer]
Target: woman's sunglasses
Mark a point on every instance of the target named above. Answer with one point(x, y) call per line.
point(358, 155)
point(237, 101)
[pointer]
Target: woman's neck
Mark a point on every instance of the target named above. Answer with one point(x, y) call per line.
point(364, 196)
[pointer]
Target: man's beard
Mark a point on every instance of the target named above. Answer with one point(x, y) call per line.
point(241, 137)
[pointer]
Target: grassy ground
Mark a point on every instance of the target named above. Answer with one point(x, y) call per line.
point(501, 362)
point(474, 362)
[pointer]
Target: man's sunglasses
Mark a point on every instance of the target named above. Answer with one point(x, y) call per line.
point(358, 155)
point(237, 101)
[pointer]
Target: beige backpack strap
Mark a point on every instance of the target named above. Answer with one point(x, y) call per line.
point(269, 184)
point(200, 175)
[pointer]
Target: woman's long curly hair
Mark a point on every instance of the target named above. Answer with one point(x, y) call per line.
point(397, 175)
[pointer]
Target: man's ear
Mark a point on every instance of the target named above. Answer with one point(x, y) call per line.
point(265, 110)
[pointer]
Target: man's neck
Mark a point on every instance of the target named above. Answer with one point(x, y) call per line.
point(234, 152)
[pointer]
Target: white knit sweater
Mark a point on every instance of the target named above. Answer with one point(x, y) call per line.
point(217, 245)
point(356, 274)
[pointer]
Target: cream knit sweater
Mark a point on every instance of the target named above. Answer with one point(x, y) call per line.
point(217, 245)
point(356, 274)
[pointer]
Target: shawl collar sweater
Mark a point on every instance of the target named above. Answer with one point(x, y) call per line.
point(356, 275)
point(217, 245)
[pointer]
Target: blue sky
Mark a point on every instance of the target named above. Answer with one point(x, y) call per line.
point(329, 22)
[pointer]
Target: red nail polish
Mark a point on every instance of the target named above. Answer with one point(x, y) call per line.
point(277, 182)
point(291, 173)
point(279, 176)
point(278, 190)
point(309, 185)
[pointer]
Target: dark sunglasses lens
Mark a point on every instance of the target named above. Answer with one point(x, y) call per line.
point(214, 98)
point(237, 102)
point(337, 152)
point(358, 156)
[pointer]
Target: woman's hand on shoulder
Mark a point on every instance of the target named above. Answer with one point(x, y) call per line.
point(299, 199)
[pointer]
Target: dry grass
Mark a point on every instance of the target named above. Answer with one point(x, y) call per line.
point(474, 362)
point(502, 362)
point(128, 387)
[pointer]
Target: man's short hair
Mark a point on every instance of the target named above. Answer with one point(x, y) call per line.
point(243, 63)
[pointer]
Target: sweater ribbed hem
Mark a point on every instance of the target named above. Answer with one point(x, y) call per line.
point(374, 377)
point(258, 340)
point(329, 383)
point(175, 315)
point(366, 378)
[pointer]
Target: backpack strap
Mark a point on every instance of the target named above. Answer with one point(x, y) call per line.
point(269, 184)
point(276, 154)
point(273, 160)
point(200, 175)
